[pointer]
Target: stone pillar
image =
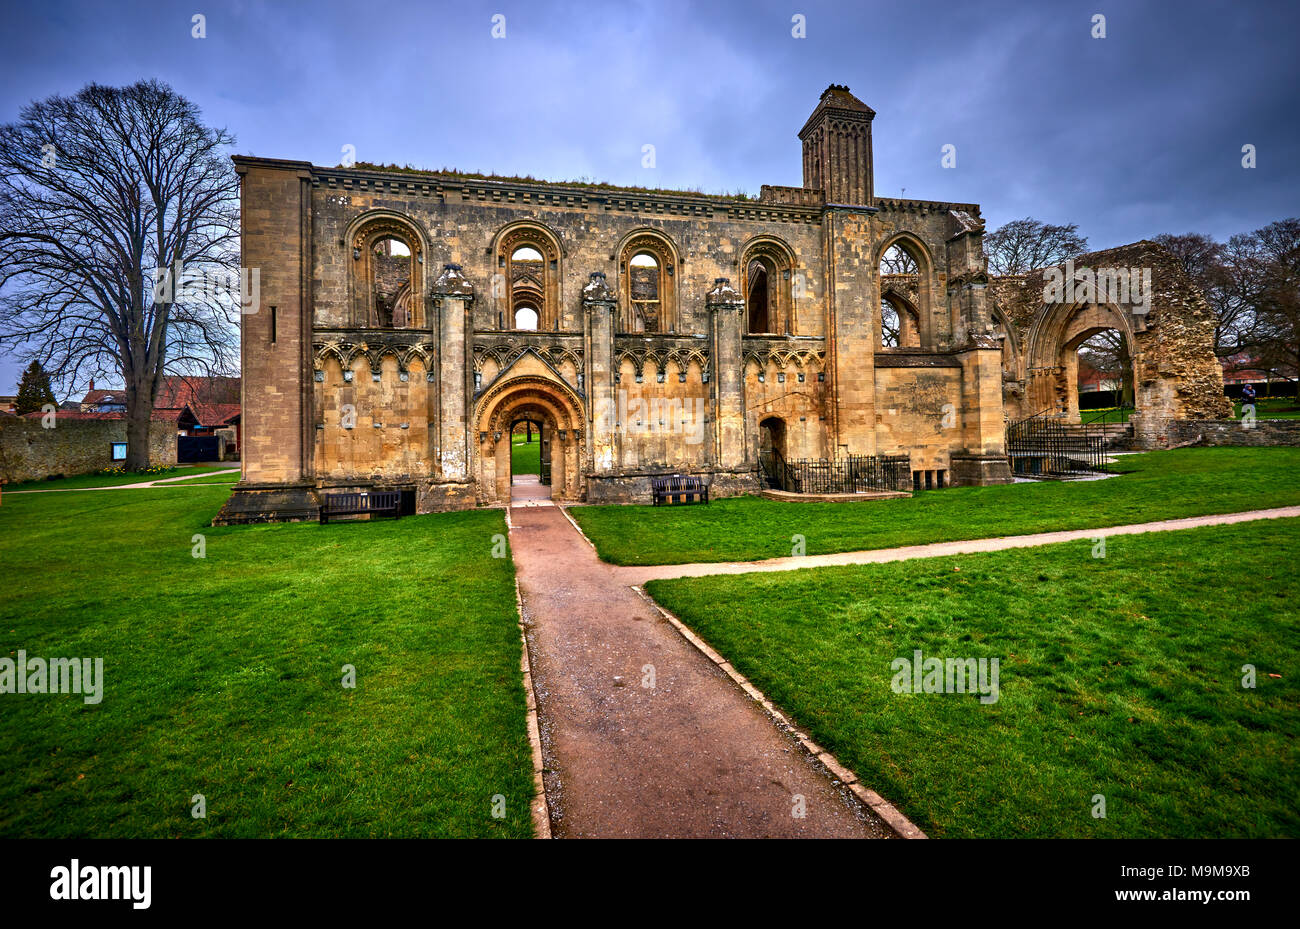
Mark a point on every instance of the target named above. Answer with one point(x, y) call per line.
point(852, 330)
point(454, 294)
point(726, 365)
point(981, 418)
point(599, 306)
point(279, 434)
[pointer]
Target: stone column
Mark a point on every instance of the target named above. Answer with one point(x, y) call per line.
point(852, 331)
point(981, 417)
point(276, 392)
point(726, 364)
point(599, 306)
point(454, 294)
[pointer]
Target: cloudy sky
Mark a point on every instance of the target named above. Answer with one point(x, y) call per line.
point(1131, 135)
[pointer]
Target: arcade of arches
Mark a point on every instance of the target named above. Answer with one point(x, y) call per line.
point(415, 317)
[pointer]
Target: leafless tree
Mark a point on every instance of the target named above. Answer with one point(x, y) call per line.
point(1271, 257)
point(1108, 353)
point(896, 260)
point(97, 191)
point(1225, 279)
point(1025, 244)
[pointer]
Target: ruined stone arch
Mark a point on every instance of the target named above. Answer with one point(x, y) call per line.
point(530, 389)
point(905, 293)
point(909, 317)
point(1051, 353)
point(767, 267)
point(518, 285)
point(374, 301)
point(648, 303)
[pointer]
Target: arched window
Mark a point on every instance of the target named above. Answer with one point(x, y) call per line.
point(386, 281)
point(900, 327)
point(768, 266)
point(758, 283)
point(643, 274)
point(897, 260)
point(525, 318)
point(390, 279)
point(647, 272)
point(528, 277)
point(904, 295)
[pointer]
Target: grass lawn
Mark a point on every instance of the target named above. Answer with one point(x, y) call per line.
point(211, 479)
point(1161, 485)
point(111, 480)
point(1119, 676)
point(525, 456)
point(1271, 408)
point(223, 674)
point(1105, 415)
point(1266, 408)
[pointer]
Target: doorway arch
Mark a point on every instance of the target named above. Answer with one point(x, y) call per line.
point(544, 400)
point(1053, 360)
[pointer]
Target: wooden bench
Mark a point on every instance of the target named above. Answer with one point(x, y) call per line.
point(374, 503)
point(679, 488)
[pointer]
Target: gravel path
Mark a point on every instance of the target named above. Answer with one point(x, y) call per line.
point(692, 755)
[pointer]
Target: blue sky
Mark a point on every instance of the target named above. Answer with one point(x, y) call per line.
point(1129, 136)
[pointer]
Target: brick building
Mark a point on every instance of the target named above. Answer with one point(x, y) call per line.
point(409, 319)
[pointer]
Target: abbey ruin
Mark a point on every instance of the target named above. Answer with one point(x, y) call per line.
point(410, 319)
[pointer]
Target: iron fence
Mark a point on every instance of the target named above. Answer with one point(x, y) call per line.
point(1043, 446)
point(851, 474)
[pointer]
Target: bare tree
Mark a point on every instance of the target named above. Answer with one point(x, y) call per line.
point(1025, 244)
point(97, 192)
point(897, 260)
point(1108, 353)
point(1223, 272)
point(1274, 260)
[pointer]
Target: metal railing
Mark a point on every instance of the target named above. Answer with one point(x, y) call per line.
point(852, 474)
point(1043, 445)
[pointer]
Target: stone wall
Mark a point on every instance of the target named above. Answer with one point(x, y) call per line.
point(1229, 432)
point(29, 452)
point(330, 399)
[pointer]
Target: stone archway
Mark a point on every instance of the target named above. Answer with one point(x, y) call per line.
point(529, 389)
point(1165, 323)
point(1053, 363)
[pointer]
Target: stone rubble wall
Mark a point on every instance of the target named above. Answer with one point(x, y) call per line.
point(30, 452)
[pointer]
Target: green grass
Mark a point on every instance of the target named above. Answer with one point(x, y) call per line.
point(1119, 676)
point(1105, 415)
point(1161, 485)
point(210, 479)
point(223, 674)
point(1271, 408)
point(525, 457)
point(82, 481)
point(1265, 408)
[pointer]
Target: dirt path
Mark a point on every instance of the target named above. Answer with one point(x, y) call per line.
point(638, 575)
point(161, 482)
point(692, 755)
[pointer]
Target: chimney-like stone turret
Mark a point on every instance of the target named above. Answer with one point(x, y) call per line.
point(837, 148)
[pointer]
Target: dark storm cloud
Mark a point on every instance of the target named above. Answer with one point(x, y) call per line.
point(1129, 136)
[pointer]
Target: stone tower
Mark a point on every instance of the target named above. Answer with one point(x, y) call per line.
point(837, 148)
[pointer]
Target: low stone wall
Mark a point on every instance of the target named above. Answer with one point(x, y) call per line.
point(30, 452)
point(635, 487)
point(1231, 432)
